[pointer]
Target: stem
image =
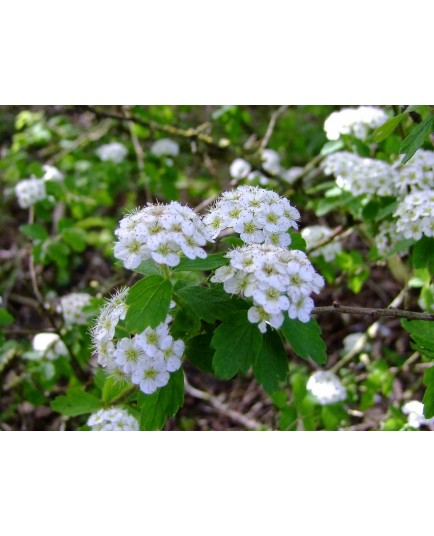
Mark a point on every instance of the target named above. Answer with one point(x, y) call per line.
point(123, 395)
point(371, 311)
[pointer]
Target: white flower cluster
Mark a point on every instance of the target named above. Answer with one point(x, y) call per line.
point(241, 169)
point(113, 152)
point(30, 191)
point(146, 359)
point(356, 121)
point(112, 420)
point(359, 175)
point(414, 410)
point(275, 278)
point(271, 161)
point(165, 147)
point(387, 236)
point(160, 232)
point(415, 215)
point(416, 174)
point(326, 388)
point(103, 330)
point(258, 215)
point(49, 345)
point(71, 306)
point(314, 235)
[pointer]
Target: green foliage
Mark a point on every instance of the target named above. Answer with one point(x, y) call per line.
point(199, 352)
point(209, 304)
point(211, 262)
point(164, 403)
point(237, 343)
point(5, 317)
point(422, 333)
point(423, 253)
point(271, 364)
point(148, 303)
point(34, 231)
point(428, 398)
point(416, 138)
point(384, 130)
point(305, 339)
point(75, 402)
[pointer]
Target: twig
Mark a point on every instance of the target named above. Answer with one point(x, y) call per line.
point(223, 408)
point(371, 311)
point(140, 155)
point(191, 133)
point(274, 117)
point(337, 232)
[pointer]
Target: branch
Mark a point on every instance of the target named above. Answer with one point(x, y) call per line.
point(191, 133)
point(274, 117)
point(223, 408)
point(371, 311)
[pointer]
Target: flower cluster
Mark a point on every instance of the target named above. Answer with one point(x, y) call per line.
point(415, 215)
point(314, 235)
point(326, 388)
point(258, 215)
point(30, 191)
point(414, 410)
point(112, 420)
point(146, 359)
point(165, 147)
point(103, 330)
point(161, 233)
point(359, 175)
point(355, 121)
point(51, 173)
point(49, 345)
point(113, 152)
point(239, 169)
point(387, 236)
point(71, 307)
point(417, 174)
point(275, 278)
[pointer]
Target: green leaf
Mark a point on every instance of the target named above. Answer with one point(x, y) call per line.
point(210, 304)
point(75, 402)
point(75, 238)
point(271, 365)
point(305, 339)
point(423, 253)
point(415, 139)
point(34, 231)
point(384, 130)
point(148, 303)
point(331, 147)
point(54, 188)
point(232, 241)
point(58, 252)
point(185, 322)
point(113, 388)
point(213, 261)
point(422, 333)
point(237, 343)
point(428, 397)
point(147, 267)
point(164, 403)
point(199, 352)
point(297, 241)
point(5, 317)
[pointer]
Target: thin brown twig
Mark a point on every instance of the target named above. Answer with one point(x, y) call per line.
point(371, 311)
point(271, 125)
point(223, 408)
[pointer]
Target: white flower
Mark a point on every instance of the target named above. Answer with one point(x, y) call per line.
point(276, 279)
point(165, 147)
point(49, 345)
point(326, 388)
point(356, 121)
point(71, 306)
point(162, 233)
point(150, 375)
point(271, 161)
point(414, 409)
point(239, 169)
point(30, 191)
point(128, 353)
point(112, 420)
point(314, 235)
point(415, 215)
point(113, 152)
point(51, 173)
